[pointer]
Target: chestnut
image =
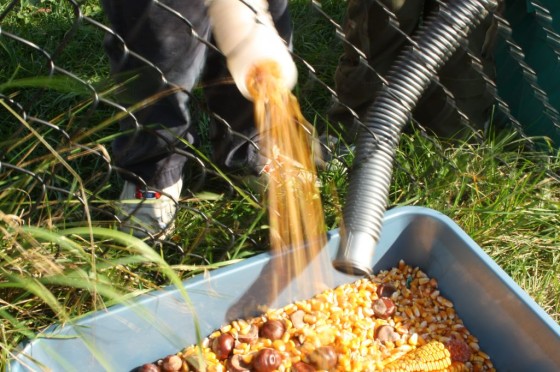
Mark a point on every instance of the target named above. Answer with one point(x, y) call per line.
point(383, 307)
point(272, 329)
point(148, 367)
point(171, 363)
point(267, 360)
point(385, 290)
point(223, 345)
point(324, 358)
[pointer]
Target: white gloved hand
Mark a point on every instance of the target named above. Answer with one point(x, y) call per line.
point(246, 36)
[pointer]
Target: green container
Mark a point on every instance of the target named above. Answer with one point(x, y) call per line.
point(539, 39)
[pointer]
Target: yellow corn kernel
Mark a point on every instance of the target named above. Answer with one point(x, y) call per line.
point(433, 283)
point(235, 324)
point(477, 359)
point(413, 339)
point(400, 342)
point(444, 301)
point(409, 313)
point(279, 345)
point(421, 274)
point(473, 345)
point(291, 308)
point(484, 355)
point(457, 367)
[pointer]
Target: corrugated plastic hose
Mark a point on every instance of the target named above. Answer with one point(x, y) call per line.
point(443, 32)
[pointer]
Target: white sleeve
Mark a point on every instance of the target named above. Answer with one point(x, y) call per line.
point(245, 33)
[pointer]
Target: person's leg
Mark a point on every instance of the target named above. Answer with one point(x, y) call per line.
point(469, 90)
point(235, 140)
point(367, 28)
point(170, 57)
point(157, 59)
point(369, 31)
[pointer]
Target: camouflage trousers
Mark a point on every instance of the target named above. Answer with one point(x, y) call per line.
point(370, 27)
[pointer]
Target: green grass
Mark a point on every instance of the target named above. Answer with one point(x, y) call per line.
point(502, 194)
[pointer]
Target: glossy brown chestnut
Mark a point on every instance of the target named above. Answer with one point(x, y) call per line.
point(267, 360)
point(223, 345)
point(272, 329)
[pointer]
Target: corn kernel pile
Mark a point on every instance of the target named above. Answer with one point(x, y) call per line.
point(394, 321)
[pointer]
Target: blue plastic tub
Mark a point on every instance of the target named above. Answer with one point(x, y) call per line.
point(516, 333)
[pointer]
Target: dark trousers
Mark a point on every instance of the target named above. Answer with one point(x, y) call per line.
point(158, 52)
point(368, 27)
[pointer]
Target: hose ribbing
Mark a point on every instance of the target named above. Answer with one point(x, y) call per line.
point(411, 74)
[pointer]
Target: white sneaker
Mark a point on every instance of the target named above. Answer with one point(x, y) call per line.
point(145, 212)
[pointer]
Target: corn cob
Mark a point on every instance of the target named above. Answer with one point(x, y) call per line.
point(432, 356)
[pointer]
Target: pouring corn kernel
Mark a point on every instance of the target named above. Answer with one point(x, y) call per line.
point(394, 321)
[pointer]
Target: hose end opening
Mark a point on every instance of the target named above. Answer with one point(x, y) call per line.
point(355, 253)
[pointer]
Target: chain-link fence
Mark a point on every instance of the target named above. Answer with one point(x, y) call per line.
point(77, 77)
